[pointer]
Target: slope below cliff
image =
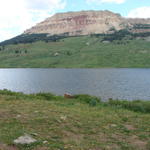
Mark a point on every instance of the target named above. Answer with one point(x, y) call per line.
point(78, 52)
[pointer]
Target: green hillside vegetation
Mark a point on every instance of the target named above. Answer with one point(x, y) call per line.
point(81, 123)
point(121, 49)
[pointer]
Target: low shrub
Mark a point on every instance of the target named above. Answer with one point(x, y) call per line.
point(8, 92)
point(91, 100)
point(46, 96)
point(138, 106)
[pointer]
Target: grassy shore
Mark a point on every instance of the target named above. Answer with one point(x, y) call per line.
point(78, 52)
point(80, 123)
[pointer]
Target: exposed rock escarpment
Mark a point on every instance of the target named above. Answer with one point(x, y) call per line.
point(80, 23)
point(139, 25)
point(88, 22)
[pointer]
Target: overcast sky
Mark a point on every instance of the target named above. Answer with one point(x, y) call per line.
point(19, 15)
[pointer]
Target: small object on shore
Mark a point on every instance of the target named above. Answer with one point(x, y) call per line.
point(26, 139)
point(34, 134)
point(44, 142)
point(106, 42)
point(113, 125)
point(87, 43)
point(67, 95)
point(129, 127)
point(56, 54)
point(63, 118)
point(18, 116)
point(36, 111)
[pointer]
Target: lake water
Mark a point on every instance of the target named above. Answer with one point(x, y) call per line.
point(130, 84)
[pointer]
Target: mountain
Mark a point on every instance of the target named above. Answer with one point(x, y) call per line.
point(79, 23)
point(85, 23)
point(62, 25)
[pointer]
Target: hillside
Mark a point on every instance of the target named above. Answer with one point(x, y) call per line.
point(86, 39)
point(81, 123)
point(78, 52)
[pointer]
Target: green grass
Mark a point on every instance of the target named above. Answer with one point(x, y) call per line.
point(89, 123)
point(78, 52)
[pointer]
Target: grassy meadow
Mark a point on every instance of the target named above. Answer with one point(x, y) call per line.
point(78, 52)
point(79, 123)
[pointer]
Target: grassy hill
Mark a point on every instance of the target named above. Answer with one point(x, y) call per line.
point(81, 123)
point(93, 51)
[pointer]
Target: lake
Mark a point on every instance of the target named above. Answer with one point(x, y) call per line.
point(129, 84)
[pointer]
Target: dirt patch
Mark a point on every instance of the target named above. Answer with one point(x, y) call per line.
point(129, 127)
point(75, 137)
point(6, 147)
point(112, 147)
point(41, 148)
point(118, 137)
point(137, 143)
point(6, 115)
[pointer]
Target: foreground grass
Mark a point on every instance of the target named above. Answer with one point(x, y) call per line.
point(81, 123)
point(78, 52)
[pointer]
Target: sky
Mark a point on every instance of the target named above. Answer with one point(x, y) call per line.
point(18, 15)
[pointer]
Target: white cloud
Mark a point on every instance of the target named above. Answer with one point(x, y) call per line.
point(106, 1)
point(18, 15)
point(142, 12)
point(45, 4)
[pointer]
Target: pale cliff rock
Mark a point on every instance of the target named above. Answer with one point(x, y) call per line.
point(134, 21)
point(79, 23)
point(139, 21)
point(85, 23)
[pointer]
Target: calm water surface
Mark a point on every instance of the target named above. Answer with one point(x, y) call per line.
point(130, 84)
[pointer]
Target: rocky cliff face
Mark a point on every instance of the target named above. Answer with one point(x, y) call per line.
point(139, 25)
point(84, 23)
point(135, 21)
point(79, 23)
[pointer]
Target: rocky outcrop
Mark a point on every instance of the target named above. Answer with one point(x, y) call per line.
point(139, 25)
point(80, 23)
point(26, 139)
point(85, 23)
point(134, 21)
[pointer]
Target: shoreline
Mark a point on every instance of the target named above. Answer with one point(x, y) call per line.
point(81, 122)
point(134, 105)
